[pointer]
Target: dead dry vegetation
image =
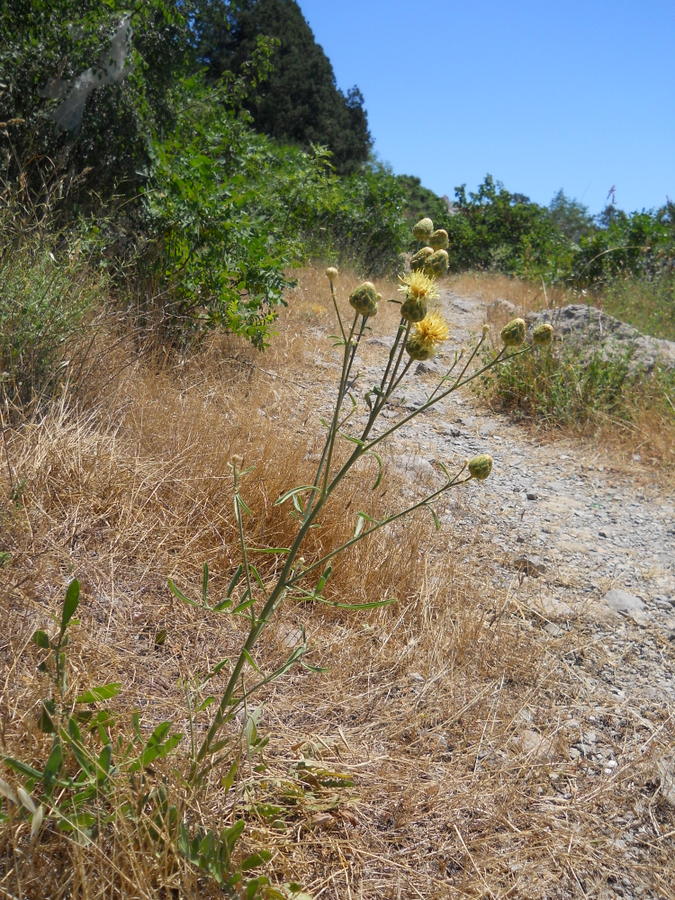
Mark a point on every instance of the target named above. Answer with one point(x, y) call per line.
point(124, 482)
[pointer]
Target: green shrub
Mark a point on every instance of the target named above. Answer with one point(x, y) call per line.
point(566, 387)
point(646, 303)
point(44, 298)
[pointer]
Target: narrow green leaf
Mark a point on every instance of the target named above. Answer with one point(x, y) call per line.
point(380, 469)
point(70, 603)
point(179, 594)
point(205, 584)
point(22, 767)
point(104, 692)
point(228, 780)
point(53, 765)
point(294, 492)
point(251, 661)
point(434, 516)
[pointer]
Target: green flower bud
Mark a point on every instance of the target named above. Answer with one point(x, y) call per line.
point(414, 309)
point(480, 466)
point(437, 264)
point(418, 259)
point(513, 333)
point(423, 229)
point(419, 349)
point(542, 334)
point(364, 299)
point(331, 273)
point(439, 239)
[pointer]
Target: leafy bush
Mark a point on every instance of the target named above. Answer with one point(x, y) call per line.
point(568, 387)
point(45, 296)
point(229, 211)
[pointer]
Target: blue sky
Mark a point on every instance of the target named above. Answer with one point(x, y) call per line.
point(578, 95)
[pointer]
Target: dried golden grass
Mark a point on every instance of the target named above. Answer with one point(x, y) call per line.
point(423, 702)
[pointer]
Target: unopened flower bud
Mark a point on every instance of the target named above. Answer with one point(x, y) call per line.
point(480, 466)
point(513, 333)
point(414, 309)
point(423, 229)
point(331, 273)
point(418, 259)
point(437, 264)
point(364, 299)
point(486, 330)
point(439, 239)
point(542, 334)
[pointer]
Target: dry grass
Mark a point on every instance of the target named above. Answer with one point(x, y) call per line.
point(642, 441)
point(423, 703)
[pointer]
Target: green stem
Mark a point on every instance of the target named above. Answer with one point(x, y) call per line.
point(320, 562)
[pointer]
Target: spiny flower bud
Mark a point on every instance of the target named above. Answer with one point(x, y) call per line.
point(542, 334)
point(480, 466)
point(423, 229)
point(437, 264)
point(331, 273)
point(418, 259)
point(364, 299)
point(513, 333)
point(486, 330)
point(414, 309)
point(439, 239)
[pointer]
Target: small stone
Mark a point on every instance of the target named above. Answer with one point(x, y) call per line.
point(625, 604)
point(531, 495)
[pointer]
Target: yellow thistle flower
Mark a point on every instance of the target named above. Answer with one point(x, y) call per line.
point(426, 336)
point(418, 286)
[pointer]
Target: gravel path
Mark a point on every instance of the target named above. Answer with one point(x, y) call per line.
point(589, 554)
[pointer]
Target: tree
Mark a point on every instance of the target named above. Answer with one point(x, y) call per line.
point(570, 216)
point(299, 101)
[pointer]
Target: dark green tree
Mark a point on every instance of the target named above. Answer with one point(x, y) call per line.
point(299, 102)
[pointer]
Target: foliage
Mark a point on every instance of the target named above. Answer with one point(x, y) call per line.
point(639, 244)
point(569, 216)
point(41, 58)
point(495, 229)
point(360, 220)
point(229, 211)
point(299, 102)
point(420, 201)
point(570, 387)
point(646, 303)
point(46, 293)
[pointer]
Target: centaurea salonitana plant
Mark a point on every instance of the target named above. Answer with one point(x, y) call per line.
point(419, 335)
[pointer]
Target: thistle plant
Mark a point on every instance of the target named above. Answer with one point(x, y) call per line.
point(421, 331)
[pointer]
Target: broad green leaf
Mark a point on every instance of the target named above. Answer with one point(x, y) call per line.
point(41, 638)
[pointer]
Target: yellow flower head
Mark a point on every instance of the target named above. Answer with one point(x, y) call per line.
point(426, 336)
point(418, 286)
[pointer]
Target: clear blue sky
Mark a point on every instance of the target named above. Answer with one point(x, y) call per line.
point(541, 94)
